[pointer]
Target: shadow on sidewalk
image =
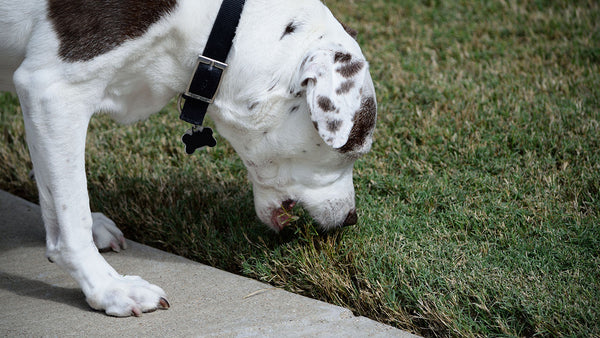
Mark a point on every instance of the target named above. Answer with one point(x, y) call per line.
point(26, 287)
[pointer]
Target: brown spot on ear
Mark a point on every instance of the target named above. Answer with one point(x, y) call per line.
point(342, 57)
point(334, 126)
point(88, 28)
point(345, 87)
point(351, 69)
point(364, 122)
point(325, 104)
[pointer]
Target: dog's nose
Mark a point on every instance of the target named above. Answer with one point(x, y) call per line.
point(351, 219)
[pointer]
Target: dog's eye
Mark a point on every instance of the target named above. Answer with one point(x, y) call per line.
point(289, 29)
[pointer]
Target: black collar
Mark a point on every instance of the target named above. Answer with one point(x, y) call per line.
point(205, 82)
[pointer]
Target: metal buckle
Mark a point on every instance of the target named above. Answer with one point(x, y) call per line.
point(211, 63)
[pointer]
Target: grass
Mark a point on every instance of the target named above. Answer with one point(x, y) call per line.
point(480, 202)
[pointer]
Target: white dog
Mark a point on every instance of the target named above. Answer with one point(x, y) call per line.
point(296, 102)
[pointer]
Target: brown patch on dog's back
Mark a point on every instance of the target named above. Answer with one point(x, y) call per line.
point(364, 123)
point(88, 28)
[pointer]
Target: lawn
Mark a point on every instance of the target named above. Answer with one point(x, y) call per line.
point(479, 204)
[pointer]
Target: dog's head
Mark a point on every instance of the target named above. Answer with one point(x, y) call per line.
point(298, 105)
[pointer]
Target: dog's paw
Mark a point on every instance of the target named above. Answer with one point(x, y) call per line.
point(106, 234)
point(128, 296)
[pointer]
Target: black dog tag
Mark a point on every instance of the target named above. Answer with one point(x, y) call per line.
point(198, 137)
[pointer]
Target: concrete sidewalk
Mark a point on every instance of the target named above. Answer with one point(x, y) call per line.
point(38, 299)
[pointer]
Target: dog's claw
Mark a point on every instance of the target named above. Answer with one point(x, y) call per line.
point(136, 312)
point(115, 247)
point(123, 242)
point(163, 304)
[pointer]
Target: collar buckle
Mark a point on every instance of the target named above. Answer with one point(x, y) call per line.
point(212, 69)
point(206, 81)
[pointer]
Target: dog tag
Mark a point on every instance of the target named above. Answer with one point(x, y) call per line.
point(198, 137)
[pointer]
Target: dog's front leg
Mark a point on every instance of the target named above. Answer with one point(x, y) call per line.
point(56, 118)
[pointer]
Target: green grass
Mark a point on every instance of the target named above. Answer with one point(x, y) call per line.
point(479, 204)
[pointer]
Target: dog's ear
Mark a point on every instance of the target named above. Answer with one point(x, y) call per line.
point(333, 82)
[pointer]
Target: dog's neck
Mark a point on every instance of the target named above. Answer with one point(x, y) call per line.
point(211, 65)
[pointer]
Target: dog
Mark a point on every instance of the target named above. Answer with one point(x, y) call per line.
point(297, 103)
